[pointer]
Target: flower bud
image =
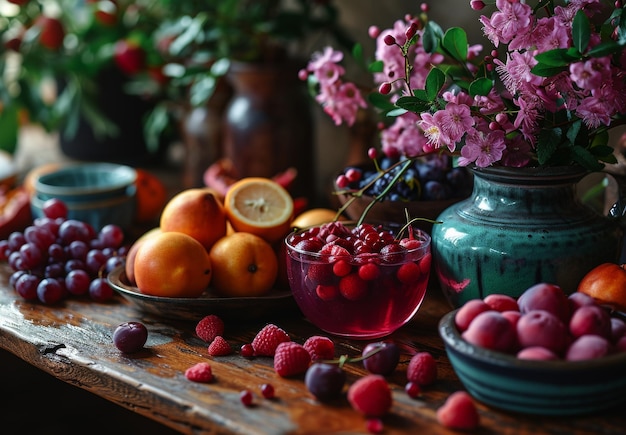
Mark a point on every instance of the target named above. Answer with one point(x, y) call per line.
point(410, 32)
point(303, 74)
point(389, 40)
point(342, 181)
point(373, 32)
point(385, 88)
point(372, 153)
point(477, 5)
point(424, 7)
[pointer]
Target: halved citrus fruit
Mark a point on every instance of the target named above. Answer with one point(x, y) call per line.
point(259, 206)
point(315, 216)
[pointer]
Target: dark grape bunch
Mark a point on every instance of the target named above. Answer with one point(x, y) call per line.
point(56, 257)
point(428, 178)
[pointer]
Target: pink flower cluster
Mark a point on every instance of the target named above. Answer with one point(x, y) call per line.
point(503, 126)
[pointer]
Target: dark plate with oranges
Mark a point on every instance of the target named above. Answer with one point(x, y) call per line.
point(278, 302)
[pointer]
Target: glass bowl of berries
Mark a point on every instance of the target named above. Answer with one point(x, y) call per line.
point(359, 281)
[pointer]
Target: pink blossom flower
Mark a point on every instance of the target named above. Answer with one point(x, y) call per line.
point(433, 131)
point(513, 19)
point(455, 121)
point(481, 148)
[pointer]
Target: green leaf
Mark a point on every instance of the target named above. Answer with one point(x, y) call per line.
point(396, 112)
point(432, 37)
point(357, 52)
point(413, 104)
point(547, 144)
point(381, 101)
point(573, 130)
point(481, 86)
point(376, 66)
point(581, 31)
point(455, 43)
point(202, 90)
point(605, 49)
point(543, 70)
point(220, 67)
point(9, 128)
point(155, 124)
point(434, 82)
point(583, 157)
point(557, 57)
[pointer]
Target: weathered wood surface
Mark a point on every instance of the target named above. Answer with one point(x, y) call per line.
point(73, 342)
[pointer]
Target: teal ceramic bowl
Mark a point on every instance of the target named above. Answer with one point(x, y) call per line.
point(88, 182)
point(551, 388)
point(119, 210)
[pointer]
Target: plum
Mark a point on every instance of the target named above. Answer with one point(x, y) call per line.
point(588, 347)
point(491, 330)
point(547, 297)
point(590, 319)
point(468, 312)
point(500, 302)
point(512, 316)
point(578, 299)
point(537, 353)
point(618, 329)
point(542, 328)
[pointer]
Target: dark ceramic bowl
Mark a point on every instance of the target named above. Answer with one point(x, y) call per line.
point(553, 388)
point(278, 303)
point(89, 182)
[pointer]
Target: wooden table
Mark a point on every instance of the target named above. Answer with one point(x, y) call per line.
point(72, 341)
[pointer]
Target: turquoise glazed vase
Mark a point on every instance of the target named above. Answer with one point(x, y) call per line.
point(520, 226)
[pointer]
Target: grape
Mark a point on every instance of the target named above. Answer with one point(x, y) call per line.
point(31, 255)
point(74, 265)
point(78, 250)
point(16, 240)
point(56, 253)
point(113, 263)
point(54, 270)
point(130, 337)
point(95, 261)
point(15, 276)
point(77, 282)
point(111, 236)
point(4, 250)
point(385, 359)
point(54, 208)
point(100, 290)
point(50, 291)
point(26, 286)
point(325, 381)
point(73, 230)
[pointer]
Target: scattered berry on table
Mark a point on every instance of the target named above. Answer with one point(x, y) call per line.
point(371, 396)
point(200, 372)
point(267, 390)
point(422, 369)
point(320, 347)
point(209, 327)
point(219, 347)
point(267, 340)
point(374, 425)
point(459, 412)
point(413, 389)
point(381, 358)
point(291, 359)
point(130, 337)
point(246, 397)
point(325, 381)
point(247, 351)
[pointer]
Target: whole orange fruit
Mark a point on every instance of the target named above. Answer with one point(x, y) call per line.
point(243, 265)
point(259, 206)
point(129, 267)
point(198, 213)
point(151, 196)
point(172, 264)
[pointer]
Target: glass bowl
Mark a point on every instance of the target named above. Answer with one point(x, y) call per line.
point(354, 293)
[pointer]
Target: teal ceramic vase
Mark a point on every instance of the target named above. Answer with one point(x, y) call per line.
point(520, 226)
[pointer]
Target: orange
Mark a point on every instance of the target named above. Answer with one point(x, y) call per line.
point(151, 196)
point(198, 213)
point(314, 216)
point(243, 265)
point(132, 252)
point(259, 206)
point(172, 265)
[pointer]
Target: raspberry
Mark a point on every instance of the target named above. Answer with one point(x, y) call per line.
point(352, 287)
point(320, 347)
point(291, 359)
point(342, 268)
point(267, 339)
point(219, 347)
point(210, 327)
point(422, 369)
point(200, 372)
point(459, 412)
point(370, 395)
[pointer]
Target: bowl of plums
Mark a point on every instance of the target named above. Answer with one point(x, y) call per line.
point(359, 281)
point(544, 353)
point(425, 187)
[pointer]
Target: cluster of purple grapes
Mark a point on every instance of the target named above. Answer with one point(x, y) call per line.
point(56, 257)
point(425, 180)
